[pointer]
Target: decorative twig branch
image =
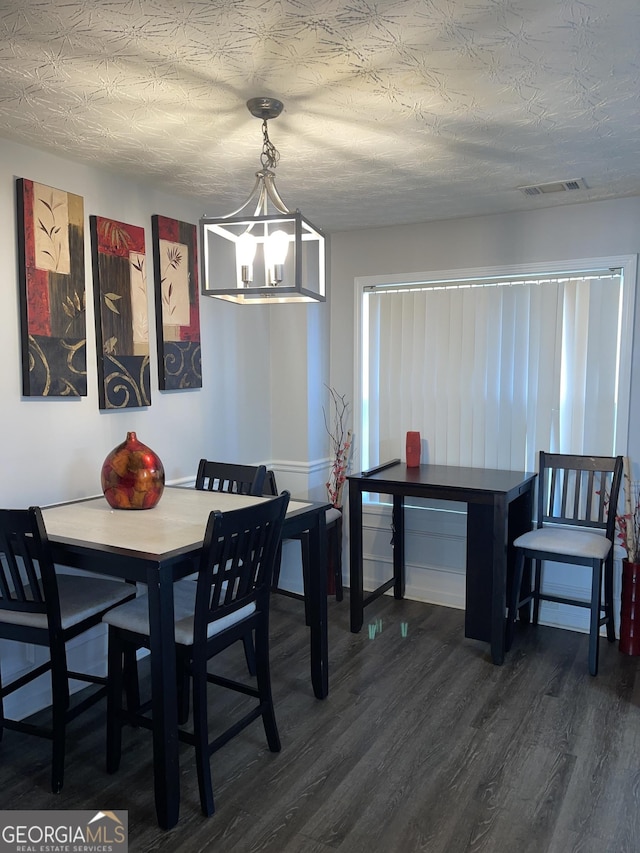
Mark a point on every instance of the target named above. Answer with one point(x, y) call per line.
point(628, 525)
point(340, 436)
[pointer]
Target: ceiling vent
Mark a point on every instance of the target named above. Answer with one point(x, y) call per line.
point(555, 187)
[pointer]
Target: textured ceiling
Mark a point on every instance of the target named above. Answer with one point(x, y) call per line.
point(395, 112)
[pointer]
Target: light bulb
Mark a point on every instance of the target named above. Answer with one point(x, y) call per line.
point(245, 253)
point(276, 248)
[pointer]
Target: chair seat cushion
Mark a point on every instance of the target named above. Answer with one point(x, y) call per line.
point(80, 598)
point(566, 541)
point(134, 615)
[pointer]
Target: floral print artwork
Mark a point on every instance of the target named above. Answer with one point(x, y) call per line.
point(121, 310)
point(52, 291)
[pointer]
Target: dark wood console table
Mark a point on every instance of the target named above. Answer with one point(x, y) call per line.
point(499, 509)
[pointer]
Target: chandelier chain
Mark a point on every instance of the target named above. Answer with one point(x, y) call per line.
point(270, 154)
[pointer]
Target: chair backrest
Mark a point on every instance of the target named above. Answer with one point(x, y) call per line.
point(27, 577)
point(581, 491)
point(237, 561)
point(228, 477)
point(270, 487)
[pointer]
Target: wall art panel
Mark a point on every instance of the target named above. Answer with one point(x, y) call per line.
point(121, 312)
point(52, 291)
point(175, 260)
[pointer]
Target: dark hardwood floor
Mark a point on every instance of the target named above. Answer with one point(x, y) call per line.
point(422, 745)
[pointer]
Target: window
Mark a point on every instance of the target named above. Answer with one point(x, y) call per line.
point(492, 368)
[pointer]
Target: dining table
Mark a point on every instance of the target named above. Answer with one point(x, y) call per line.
point(157, 547)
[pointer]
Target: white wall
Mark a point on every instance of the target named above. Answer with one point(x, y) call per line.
point(601, 229)
point(52, 449)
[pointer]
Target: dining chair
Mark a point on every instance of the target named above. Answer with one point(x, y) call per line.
point(47, 608)
point(224, 477)
point(333, 520)
point(576, 512)
point(228, 603)
point(230, 477)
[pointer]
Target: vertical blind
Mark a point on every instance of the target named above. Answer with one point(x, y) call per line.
point(491, 372)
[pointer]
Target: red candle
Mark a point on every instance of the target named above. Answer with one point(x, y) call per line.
point(413, 449)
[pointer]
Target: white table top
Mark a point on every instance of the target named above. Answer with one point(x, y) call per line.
point(178, 520)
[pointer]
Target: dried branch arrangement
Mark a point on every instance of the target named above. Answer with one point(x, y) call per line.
point(341, 438)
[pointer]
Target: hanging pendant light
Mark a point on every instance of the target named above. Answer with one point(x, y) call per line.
point(263, 253)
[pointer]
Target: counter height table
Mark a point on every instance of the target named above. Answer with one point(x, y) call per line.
point(157, 547)
point(499, 509)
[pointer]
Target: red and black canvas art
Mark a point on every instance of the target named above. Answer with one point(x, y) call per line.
point(52, 291)
point(121, 313)
point(175, 259)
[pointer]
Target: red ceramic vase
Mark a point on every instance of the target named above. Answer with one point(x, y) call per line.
point(132, 476)
point(630, 609)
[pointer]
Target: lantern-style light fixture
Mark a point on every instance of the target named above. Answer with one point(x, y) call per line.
point(263, 253)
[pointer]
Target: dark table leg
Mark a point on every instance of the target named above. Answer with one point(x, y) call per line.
point(164, 698)
point(317, 595)
point(499, 583)
point(356, 594)
point(480, 565)
point(398, 546)
point(487, 538)
point(491, 529)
